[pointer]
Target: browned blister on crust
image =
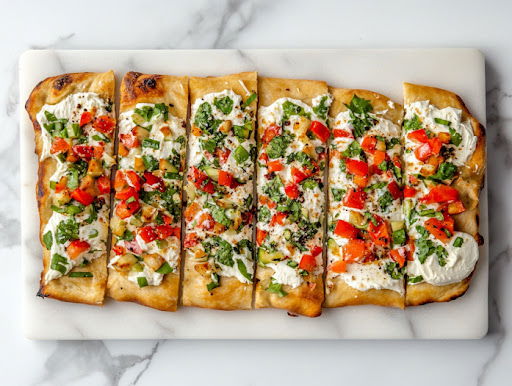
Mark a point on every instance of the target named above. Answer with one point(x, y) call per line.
point(231, 294)
point(306, 299)
point(51, 91)
point(172, 91)
point(338, 292)
point(468, 183)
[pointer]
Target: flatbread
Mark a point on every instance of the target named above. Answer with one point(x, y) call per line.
point(231, 294)
point(338, 292)
point(469, 183)
point(308, 297)
point(51, 91)
point(172, 91)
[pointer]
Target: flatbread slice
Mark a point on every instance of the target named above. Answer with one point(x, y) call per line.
point(293, 137)
point(373, 276)
point(219, 263)
point(146, 222)
point(444, 114)
point(74, 125)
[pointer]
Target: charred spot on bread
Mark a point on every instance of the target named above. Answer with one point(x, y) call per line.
point(149, 83)
point(61, 81)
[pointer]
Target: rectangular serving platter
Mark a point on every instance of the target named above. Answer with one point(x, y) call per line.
point(458, 70)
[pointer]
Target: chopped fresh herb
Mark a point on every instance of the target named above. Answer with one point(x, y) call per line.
point(130, 199)
point(425, 248)
point(59, 263)
point(273, 189)
point(93, 214)
point(394, 270)
point(53, 184)
point(412, 124)
point(127, 235)
point(219, 215)
point(431, 213)
point(442, 121)
point(360, 117)
point(290, 109)
point(414, 279)
point(243, 269)
point(343, 165)
point(442, 254)
point(377, 185)
point(353, 150)
point(165, 268)
point(383, 166)
point(151, 143)
point(458, 242)
point(224, 104)
point(48, 240)
point(214, 283)
point(150, 162)
point(385, 200)
point(162, 109)
point(80, 274)
point(204, 118)
point(399, 237)
point(276, 288)
point(455, 137)
point(66, 230)
point(50, 117)
point(142, 281)
point(337, 194)
point(101, 137)
point(249, 100)
point(264, 214)
point(445, 171)
point(291, 263)
point(322, 108)
point(277, 146)
point(240, 155)
point(309, 184)
point(243, 132)
point(72, 179)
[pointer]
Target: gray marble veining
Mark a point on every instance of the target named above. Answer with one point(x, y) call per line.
point(199, 24)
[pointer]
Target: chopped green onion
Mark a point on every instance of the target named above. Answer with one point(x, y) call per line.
point(458, 242)
point(151, 143)
point(164, 268)
point(240, 155)
point(442, 121)
point(142, 282)
point(249, 100)
point(58, 263)
point(80, 274)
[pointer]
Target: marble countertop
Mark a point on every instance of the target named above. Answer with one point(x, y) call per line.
point(260, 24)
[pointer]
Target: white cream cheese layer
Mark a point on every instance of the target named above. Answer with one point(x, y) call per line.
point(460, 262)
point(70, 108)
point(372, 275)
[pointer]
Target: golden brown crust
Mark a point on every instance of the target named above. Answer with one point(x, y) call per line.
point(173, 91)
point(51, 91)
point(232, 294)
point(308, 297)
point(469, 183)
point(339, 293)
point(304, 300)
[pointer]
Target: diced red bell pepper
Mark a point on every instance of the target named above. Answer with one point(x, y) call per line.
point(298, 175)
point(191, 240)
point(103, 183)
point(85, 118)
point(82, 197)
point(423, 152)
point(379, 157)
point(355, 199)
point(119, 250)
point(307, 263)
point(436, 228)
point(271, 132)
point(278, 218)
point(148, 234)
point(338, 133)
point(379, 233)
point(125, 209)
point(316, 250)
point(346, 230)
point(275, 166)
point(59, 145)
point(339, 266)
point(84, 151)
point(292, 191)
point(394, 189)
point(320, 130)
point(440, 194)
point(126, 193)
point(153, 182)
point(225, 178)
point(418, 136)
point(354, 250)
point(264, 157)
point(356, 167)
point(132, 179)
point(129, 140)
point(409, 192)
point(399, 255)
point(369, 142)
point(104, 123)
point(260, 236)
point(165, 231)
point(435, 145)
point(201, 180)
point(76, 248)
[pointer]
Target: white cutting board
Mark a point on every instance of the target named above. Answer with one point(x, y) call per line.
point(458, 70)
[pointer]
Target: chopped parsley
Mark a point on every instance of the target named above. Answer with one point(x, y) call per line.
point(224, 104)
point(412, 124)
